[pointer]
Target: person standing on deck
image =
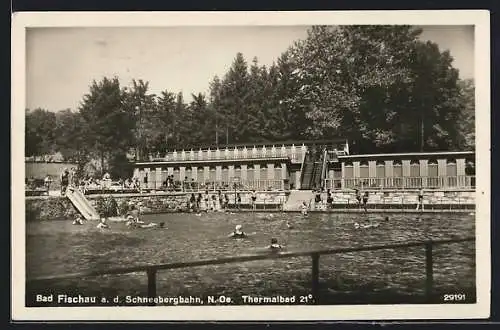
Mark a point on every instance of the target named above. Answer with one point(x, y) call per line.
point(420, 203)
point(365, 200)
point(192, 202)
point(198, 202)
point(358, 196)
point(238, 200)
point(64, 181)
point(329, 199)
point(47, 182)
point(253, 197)
point(72, 176)
point(206, 199)
point(317, 199)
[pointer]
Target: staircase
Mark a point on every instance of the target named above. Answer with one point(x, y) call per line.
point(313, 172)
point(307, 174)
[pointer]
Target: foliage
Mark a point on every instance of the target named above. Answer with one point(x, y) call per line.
point(108, 126)
point(40, 135)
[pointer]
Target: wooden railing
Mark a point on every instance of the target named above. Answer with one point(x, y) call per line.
point(294, 154)
point(151, 270)
point(445, 182)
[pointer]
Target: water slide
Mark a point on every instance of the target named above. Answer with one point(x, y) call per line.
point(82, 204)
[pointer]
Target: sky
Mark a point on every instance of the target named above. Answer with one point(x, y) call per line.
point(62, 62)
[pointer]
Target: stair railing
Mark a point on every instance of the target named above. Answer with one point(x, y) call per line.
point(304, 160)
point(324, 168)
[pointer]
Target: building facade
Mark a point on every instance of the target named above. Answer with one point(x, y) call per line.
point(281, 167)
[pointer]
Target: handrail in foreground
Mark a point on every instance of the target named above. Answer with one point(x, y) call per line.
point(152, 269)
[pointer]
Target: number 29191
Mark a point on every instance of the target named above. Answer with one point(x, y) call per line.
point(454, 297)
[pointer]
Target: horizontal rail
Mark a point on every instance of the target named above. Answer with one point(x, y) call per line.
point(335, 141)
point(404, 182)
point(255, 257)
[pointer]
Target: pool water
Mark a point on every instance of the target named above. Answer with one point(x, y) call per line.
point(58, 247)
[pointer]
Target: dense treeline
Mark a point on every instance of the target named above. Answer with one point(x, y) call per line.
point(380, 87)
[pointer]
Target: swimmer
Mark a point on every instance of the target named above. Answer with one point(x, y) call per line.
point(134, 213)
point(274, 244)
point(304, 208)
point(78, 220)
point(153, 225)
point(288, 225)
point(102, 224)
point(237, 233)
point(366, 226)
point(386, 218)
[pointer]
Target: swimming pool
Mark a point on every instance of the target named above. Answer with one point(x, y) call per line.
point(56, 247)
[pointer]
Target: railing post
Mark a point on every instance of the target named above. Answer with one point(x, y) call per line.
point(428, 271)
point(315, 277)
point(151, 284)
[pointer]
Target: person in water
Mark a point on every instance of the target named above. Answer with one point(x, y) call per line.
point(78, 220)
point(289, 225)
point(304, 208)
point(102, 224)
point(134, 212)
point(237, 233)
point(274, 244)
point(152, 225)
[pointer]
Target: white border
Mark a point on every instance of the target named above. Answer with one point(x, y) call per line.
point(479, 18)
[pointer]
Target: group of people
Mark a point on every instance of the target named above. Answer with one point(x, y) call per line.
point(239, 233)
point(215, 202)
point(132, 218)
point(69, 177)
point(361, 198)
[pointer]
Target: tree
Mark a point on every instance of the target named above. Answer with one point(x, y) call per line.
point(166, 120)
point(234, 95)
point(202, 120)
point(39, 132)
point(215, 106)
point(70, 137)
point(376, 85)
point(108, 125)
point(140, 106)
point(467, 116)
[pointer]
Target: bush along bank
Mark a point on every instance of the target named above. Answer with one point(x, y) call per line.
point(59, 208)
point(55, 208)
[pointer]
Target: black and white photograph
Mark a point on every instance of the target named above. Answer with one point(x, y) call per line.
point(246, 166)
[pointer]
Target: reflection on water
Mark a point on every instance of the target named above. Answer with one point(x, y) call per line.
point(55, 247)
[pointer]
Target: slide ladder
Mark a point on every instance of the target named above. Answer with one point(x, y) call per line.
point(82, 204)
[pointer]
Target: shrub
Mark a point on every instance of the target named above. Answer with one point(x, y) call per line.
point(111, 207)
point(123, 208)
